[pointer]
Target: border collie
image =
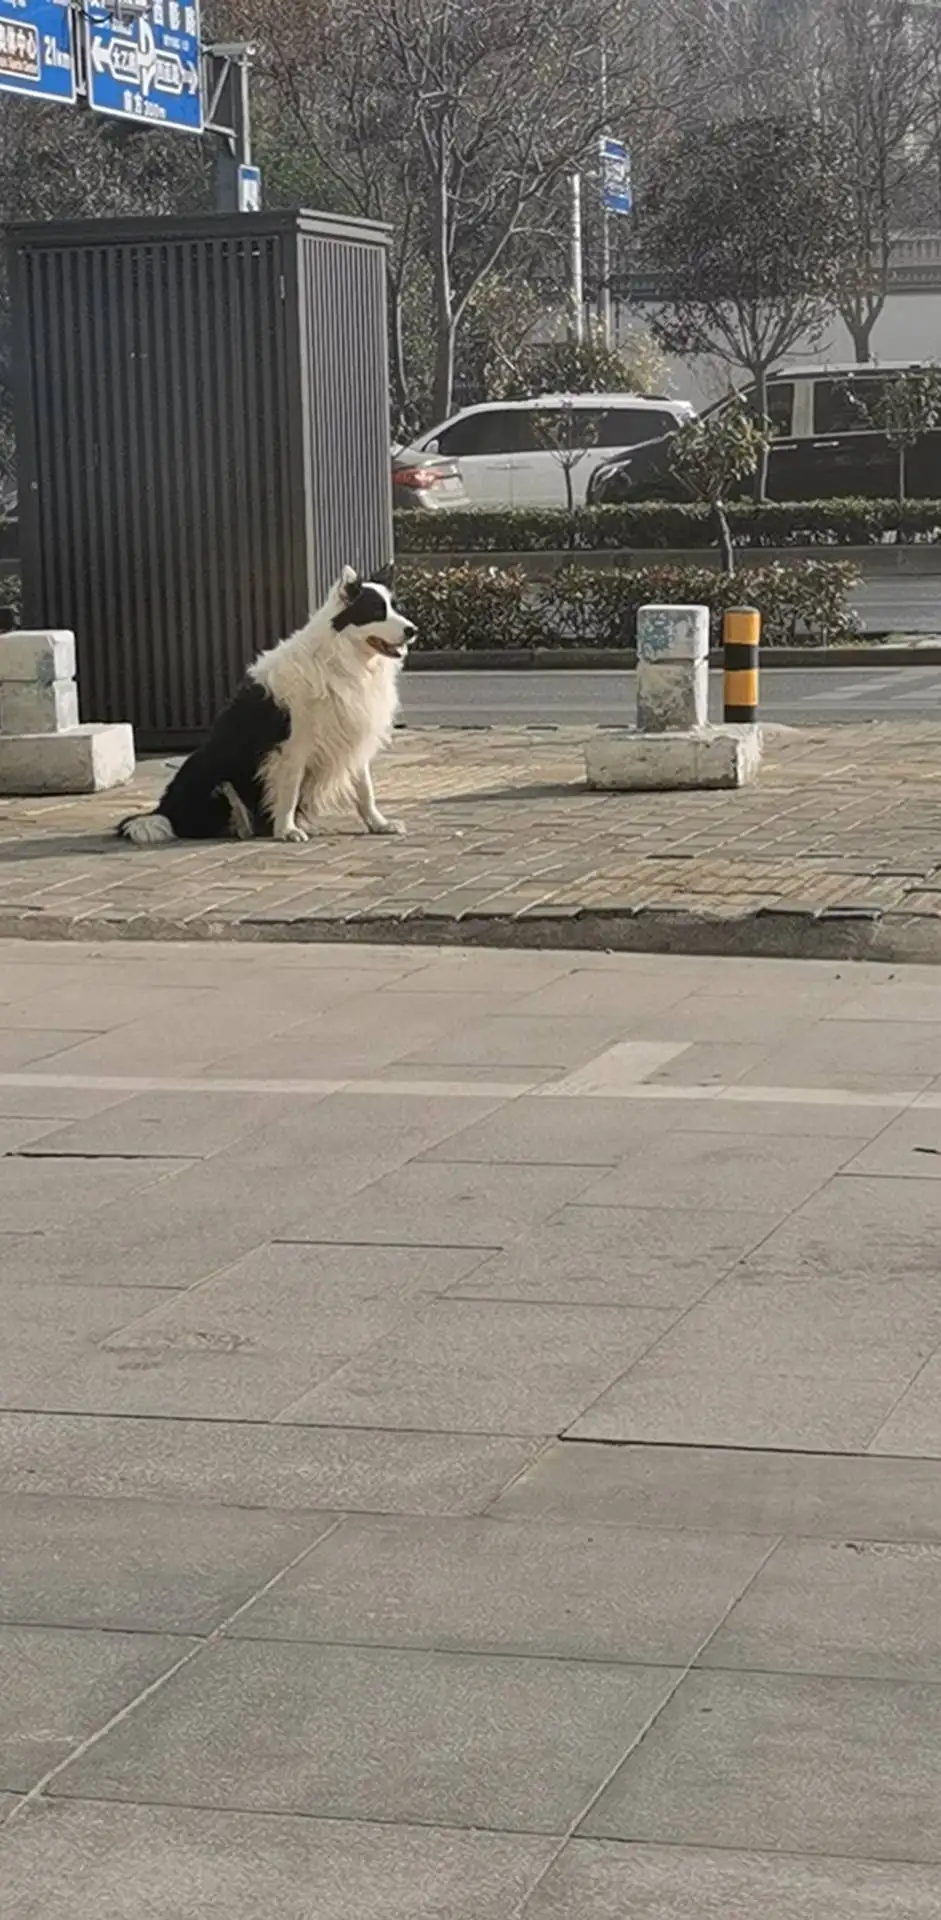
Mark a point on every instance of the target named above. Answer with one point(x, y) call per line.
point(299, 734)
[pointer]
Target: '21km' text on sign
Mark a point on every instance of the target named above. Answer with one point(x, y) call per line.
point(147, 66)
point(37, 52)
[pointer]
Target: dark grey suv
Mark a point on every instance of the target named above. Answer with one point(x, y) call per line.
point(823, 447)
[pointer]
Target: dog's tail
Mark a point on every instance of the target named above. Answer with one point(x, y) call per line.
point(146, 829)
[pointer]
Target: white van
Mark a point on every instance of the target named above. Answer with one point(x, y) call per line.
point(502, 452)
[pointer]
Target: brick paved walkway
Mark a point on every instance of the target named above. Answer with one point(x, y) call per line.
point(836, 849)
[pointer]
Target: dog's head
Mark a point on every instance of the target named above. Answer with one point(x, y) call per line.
point(365, 611)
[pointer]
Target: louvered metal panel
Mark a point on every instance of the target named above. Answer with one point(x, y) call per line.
point(202, 427)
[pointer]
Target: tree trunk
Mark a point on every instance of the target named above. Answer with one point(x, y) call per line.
point(443, 378)
point(860, 332)
point(442, 388)
point(761, 410)
point(903, 476)
point(723, 537)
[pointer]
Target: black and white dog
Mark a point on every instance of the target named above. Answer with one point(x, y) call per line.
point(299, 735)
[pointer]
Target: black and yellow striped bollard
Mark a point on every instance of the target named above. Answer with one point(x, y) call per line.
point(741, 633)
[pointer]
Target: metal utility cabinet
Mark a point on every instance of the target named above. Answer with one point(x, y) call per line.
point(203, 442)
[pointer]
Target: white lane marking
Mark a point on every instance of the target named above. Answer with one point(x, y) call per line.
point(889, 1099)
point(622, 1066)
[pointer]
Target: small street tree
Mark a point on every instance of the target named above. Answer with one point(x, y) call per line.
point(748, 224)
point(903, 409)
point(712, 456)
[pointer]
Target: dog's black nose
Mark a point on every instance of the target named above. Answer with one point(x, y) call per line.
point(408, 631)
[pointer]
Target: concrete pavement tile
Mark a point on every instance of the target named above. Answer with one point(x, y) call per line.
point(868, 1608)
point(850, 1497)
point(485, 1366)
point(600, 1880)
point(695, 1170)
point(908, 1148)
point(567, 1132)
point(521, 1041)
point(36, 1194)
point(372, 1133)
point(483, 970)
point(489, 1586)
point(857, 1228)
point(346, 1041)
point(249, 1343)
point(913, 1425)
point(46, 1329)
point(27, 1046)
point(57, 1688)
point(242, 1465)
point(192, 1125)
point(661, 1406)
point(900, 996)
point(15, 1134)
point(846, 1053)
point(368, 1734)
point(34, 1100)
point(79, 1862)
point(798, 1119)
point(619, 1256)
point(779, 1764)
point(136, 1565)
point(700, 1064)
point(449, 1205)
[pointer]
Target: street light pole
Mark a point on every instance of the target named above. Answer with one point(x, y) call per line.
point(606, 319)
point(578, 273)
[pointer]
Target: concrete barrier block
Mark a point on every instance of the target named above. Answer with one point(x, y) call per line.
point(672, 633)
point(37, 657)
point(669, 762)
point(87, 759)
point(672, 668)
point(29, 706)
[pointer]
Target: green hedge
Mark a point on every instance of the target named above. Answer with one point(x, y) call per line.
point(473, 608)
point(826, 523)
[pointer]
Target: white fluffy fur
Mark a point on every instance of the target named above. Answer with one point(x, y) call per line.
point(342, 696)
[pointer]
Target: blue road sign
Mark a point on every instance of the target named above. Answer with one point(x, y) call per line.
point(146, 66)
point(37, 53)
point(617, 192)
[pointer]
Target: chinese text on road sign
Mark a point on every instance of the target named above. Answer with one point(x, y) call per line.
point(36, 49)
point(616, 189)
point(146, 67)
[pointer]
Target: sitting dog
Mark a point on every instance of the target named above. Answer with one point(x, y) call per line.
point(299, 734)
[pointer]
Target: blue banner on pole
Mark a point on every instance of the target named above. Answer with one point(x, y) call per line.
point(37, 51)
point(617, 192)
point(145, 66)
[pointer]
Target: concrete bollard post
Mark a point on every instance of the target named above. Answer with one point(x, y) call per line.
point(43, 746)
point(672, 668)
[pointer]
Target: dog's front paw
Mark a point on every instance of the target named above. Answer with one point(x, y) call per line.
point(382, 825)
point(294, 835)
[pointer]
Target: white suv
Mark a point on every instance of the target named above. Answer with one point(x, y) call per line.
point(504, 448)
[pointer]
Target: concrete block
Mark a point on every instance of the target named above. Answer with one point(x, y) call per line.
point(704, 757)
point(87, 759)
point(672, 668)
point(38, 657)
point(38, 706)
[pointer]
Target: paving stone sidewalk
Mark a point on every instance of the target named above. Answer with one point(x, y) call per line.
point(837, 848)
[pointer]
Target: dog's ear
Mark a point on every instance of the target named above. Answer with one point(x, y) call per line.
point(350, 584)
point(384, 576)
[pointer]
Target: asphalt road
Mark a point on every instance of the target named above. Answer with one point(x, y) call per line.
point(812, 697)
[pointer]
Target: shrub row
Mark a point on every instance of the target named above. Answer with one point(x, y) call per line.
point(826, 523)
point(469, 608)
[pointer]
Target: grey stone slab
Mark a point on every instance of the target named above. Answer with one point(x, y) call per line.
point(363, 1734)
point(26, 1046)
point(365, 1134)
point(485, 1366)
point(660, 1407)
point(843, 1053)
point(48, 1330)
point(856, 1228)
point(598, 1880)
point(723, 1490)
point(909, 1148)
point(347, 1040)
point(179, 1231)
point(34, 1099)
point(913, 1425)
point(175, 1125)
point(781, 1764)
point(495, 1586)
point(483, 970)
point(15, 1134)
point(702, 1064)
point(857, 1116)
point(619, 1256)
point(250, 1342)
point(58, 1688)
point(78, 1862)
point(762, 1018)
point(137, 1565)
point(37, 1194)
point(449, 1205)
point(568, 1132)
point(702, 1171)
point(236, 1464)
point(898, 997)
point(865, 1607)
point(523, 1040)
